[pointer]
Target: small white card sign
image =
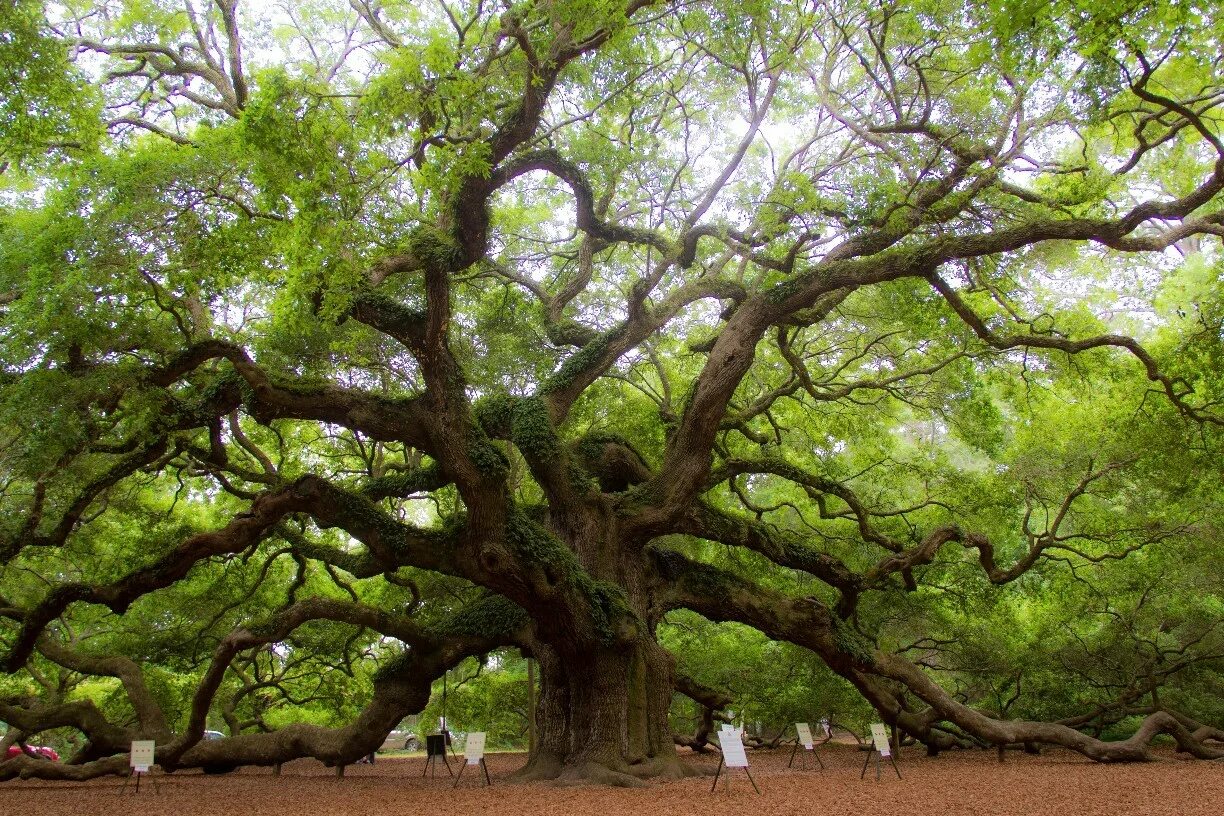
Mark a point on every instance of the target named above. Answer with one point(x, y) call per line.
point(880, 737)
point(474, 747)
point(732, 749)
point(142, 755)
point(805, 734)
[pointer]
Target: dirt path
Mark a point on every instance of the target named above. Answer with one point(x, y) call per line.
point(968, 783)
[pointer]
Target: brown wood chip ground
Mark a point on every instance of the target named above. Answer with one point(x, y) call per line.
point(971, 783)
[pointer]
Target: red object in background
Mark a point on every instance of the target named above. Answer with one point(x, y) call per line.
point(40, 750)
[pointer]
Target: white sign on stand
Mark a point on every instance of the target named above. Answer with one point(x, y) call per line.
point(473, 752)
point(733, 752)
point(880, 737)
point(141, 758)
point(880, 750)
point(804, 732)
point(474, 747)
point(733, 756)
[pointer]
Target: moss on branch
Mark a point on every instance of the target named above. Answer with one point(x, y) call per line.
point(523, 420)
point(434, 248)
point(580, 362)
point(403, 484)
point(493, 617)
point(605, 602)
point(849, 641)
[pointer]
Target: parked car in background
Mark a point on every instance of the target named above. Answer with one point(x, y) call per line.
point(213, 735)
point(38, 750)
point(401, 740)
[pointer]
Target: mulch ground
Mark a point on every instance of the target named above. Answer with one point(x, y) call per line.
point(972, 783)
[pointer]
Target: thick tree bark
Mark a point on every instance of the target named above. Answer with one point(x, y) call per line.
point(606, 683)
point(603, 716)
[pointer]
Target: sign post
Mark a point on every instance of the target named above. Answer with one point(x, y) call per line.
point(473, 754)
point(435, 748)
point(879, 748)
point(803, 733)
point(140, 759)
point(733, 756)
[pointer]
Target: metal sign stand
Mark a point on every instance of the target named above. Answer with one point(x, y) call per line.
point(803, 738)
point(483, 767)
point(727, 778)
point(875, 753)
point(803, 761)
point(138, 774)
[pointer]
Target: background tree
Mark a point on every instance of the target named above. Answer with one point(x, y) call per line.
point(377, 336)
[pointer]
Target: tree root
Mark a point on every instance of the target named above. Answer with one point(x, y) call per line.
point(551, 769)
point(542, 767)
point(592, 773)
point(666, 768)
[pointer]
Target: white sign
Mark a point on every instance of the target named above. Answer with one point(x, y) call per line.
point(142, 755)
point(880, 737)
point(805, 734)
point(732, 750)
point(473, 747)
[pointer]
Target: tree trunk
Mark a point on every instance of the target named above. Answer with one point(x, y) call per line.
point(531, 705)
point(603, 717)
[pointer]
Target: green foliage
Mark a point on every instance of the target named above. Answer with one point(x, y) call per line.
point(773, 684)
point(488, 695)
point(46, 107)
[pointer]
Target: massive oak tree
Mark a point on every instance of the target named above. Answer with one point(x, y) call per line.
point(349, 333)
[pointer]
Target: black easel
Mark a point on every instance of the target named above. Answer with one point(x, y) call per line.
point(138, 774)
point(806, 751)
point(718, 773)
point(435, 746)
point(877, 755)
point(483, 767)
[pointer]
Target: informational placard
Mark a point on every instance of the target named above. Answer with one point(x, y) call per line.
point(435, 745)
point(141, 758)
point(880, 737)
point(474, 747)
point(732, 747)
point(805, 735)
